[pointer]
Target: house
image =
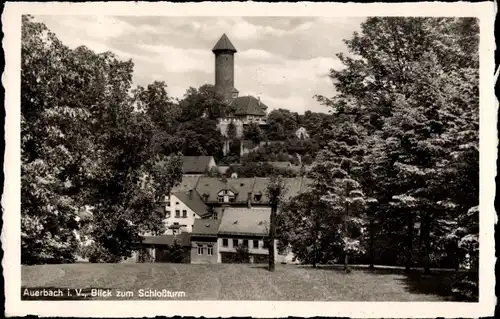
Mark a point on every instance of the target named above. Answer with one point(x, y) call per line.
point(181, 210)
point(155, 248)
point(204, 248)
point(197, 165)
point(217, 240)
point(235, 192)
point(301, 133)
point(245, 227)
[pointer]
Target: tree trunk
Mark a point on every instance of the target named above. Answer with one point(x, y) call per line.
point(409, 241)
point(346, 257)
point(371, 244)
point(272, 235)
point(427, 250)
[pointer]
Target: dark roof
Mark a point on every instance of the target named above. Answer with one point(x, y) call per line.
point(183, 238)
point(212, 185)
point(187, 183)
point(224, 44)
point(248, 105)
point(205, 227)
point(193, 200)
point(195, 164)
point(241, 186)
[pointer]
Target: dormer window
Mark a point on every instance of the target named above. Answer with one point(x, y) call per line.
point(226, 196)
point(235, 95)
point(257, 197)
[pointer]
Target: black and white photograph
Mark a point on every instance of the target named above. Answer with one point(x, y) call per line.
point(280, 158)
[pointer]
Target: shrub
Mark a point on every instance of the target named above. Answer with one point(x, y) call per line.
point(465, 286)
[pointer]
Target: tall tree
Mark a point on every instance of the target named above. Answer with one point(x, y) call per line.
point(83, 144)
point(275, 191)
point(413, 82)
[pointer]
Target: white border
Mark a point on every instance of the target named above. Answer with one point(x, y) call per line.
point(488, 144)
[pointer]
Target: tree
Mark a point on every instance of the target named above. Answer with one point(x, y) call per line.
point(83, 144)
point(306, 225)
point(421, 135)
point(203, 102)
point(253, 133)
point(231, 132)
point(336, 179)
point(275, 191)
point(281, 124)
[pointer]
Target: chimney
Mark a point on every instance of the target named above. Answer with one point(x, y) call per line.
point(259, 100)
point(190, 194)
point(205, 198)
point(249, 201)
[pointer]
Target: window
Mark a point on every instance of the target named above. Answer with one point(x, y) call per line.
point(235, 242)
point(176, 203)
point(176, 224)
point(200, 250)
point(177, 213)
point(210, 250)
point(168, 204)
point(255, 244)
point(214, 216)
point(167, 213)
point(225, 242)
point(220, 198)
point(266, 243)
point(194, 215)
point(231, 199)
point(245, 242)
point(184, 214)
point(257, 197)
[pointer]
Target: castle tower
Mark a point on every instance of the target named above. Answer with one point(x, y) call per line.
point(224, 68)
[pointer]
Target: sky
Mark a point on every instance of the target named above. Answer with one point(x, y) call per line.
point(283, 60)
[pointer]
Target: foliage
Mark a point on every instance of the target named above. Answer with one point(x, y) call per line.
point(255, 169)
point(306, 225)
point(84, 143)
point(253, 133)
point(231, 132)
point(412, 84)
point(275, 191)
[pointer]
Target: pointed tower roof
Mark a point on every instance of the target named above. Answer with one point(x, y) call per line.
point(224, 45)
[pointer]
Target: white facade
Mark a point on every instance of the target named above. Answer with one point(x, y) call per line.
point(252, 249)
point(302, 133)
point(178, 213)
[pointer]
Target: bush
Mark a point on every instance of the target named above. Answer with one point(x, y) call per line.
point(242, 255)
point(98, 254)
point(465, 286)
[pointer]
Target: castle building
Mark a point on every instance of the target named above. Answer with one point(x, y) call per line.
point(248, 108)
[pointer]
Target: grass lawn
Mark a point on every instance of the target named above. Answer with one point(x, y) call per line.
point(239, 282)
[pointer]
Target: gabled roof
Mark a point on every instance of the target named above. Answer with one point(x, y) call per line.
point(195, 164)
point(245, 221)
point(193, 200)
point(187, 183)
point(212, 185)
point(224, 44)
point(248, 105)
point(205, 227)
